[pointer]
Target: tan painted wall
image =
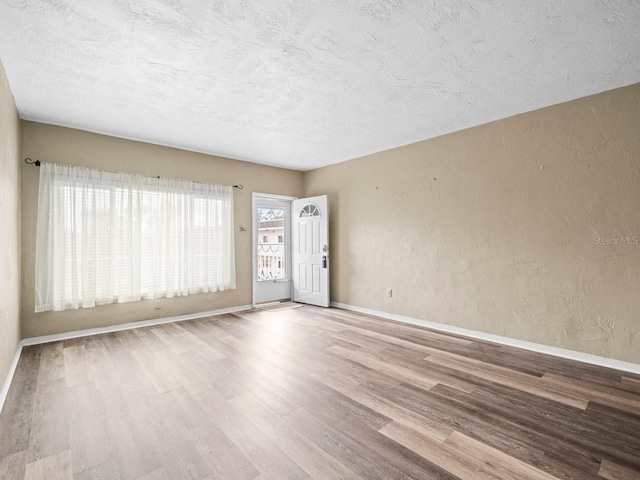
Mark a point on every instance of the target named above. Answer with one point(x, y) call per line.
point(9, 227)
point(76, 147)
point(492, 228)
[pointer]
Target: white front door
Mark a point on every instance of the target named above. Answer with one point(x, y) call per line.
point(271, 248)
point(310, 245)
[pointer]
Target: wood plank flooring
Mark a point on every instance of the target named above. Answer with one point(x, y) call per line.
point(291, 392)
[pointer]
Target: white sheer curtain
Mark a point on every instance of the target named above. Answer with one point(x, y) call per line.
point(115, 237)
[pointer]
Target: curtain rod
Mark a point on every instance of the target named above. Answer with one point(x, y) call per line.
point(37, 163)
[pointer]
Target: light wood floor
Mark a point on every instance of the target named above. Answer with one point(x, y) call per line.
point(289, 393)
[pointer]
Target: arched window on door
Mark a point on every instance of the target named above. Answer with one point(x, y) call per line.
point(310, 210)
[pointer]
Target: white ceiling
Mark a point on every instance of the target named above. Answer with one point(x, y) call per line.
point(307, 83)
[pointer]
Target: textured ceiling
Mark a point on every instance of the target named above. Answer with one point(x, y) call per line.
point(306, 83)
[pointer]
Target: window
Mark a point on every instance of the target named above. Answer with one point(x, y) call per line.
point(115, 237)
point(271, 220)
point(310, 210)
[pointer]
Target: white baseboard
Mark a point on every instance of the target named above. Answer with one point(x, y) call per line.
point(512, 342)
point(7, 381)
point(128, 326)
point(95, 331)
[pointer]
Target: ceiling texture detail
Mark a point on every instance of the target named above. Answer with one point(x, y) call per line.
point(306, 83)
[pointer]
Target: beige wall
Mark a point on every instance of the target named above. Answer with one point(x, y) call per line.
point(76, 147)
point(489, 228)
point(492, 228)
point(9, 227)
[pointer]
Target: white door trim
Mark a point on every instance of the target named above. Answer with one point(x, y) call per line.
point(254, 235)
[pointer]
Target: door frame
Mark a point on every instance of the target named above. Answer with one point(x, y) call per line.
point(254, 238)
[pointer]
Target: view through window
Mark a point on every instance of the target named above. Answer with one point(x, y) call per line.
point(271, 246)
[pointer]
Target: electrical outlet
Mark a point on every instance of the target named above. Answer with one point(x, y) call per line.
point(389, 292)
point(157, 305)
